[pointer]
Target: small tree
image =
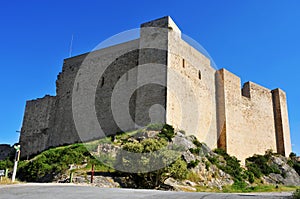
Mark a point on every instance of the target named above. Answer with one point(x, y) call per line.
point(149, 163)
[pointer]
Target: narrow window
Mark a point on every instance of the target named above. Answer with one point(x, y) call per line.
point(183, 63)
point(199, 74)
point(102, 82)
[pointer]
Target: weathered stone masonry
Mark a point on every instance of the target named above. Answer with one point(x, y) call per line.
point(243, 121)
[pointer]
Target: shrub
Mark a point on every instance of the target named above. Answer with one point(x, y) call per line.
point(193, 164)
point(292, 155)
point(239, 185)
point(213, 159)
point(197, 143)
point(6, 164)
point(178, 169)
point(253, 168)
point(195, 151)
point(167, 132)
point(261, 162)
point(290, 163)
point(296, 194)
point(250, 176)
point(53, 161)
point(207, 165)
point(232, 166)
point(296, 166)
point(145, 161)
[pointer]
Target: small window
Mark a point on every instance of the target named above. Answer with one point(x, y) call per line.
point(102, 82)
point(183, 63)
point(199, 74)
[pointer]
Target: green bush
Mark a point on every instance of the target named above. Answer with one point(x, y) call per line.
point(232, 165)
point(178, 169)
point(197, 143)
point(253, 168)
point(193, 164)
point(250, 176)
point(296, 194)
point(6, 164)
point(145, 161)
point(239, 185)
point(195, 151)
point(213, 159)
point(293, 155)
point(167, 132)
point(53, 161)
point(261, 162)
point(296, 166)
point(207, 165)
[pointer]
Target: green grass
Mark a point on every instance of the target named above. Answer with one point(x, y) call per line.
point(257, 188)
point(260, 188)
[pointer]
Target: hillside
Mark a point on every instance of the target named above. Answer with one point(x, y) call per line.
point(161, 158)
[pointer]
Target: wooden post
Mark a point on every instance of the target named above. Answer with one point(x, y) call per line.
point(92, 175)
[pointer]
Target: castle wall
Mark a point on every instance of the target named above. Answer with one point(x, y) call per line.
point(37, 124)
point(191, 103)
point(49, 122)
point(96, 76)
point(249, 117)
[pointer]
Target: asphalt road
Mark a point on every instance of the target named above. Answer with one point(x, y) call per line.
point(65, 191)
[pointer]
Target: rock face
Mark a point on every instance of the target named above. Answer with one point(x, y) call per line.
point(289, 176)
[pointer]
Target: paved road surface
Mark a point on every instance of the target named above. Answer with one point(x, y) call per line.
point(66, 191)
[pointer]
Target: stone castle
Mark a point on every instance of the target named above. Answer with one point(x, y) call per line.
point(184, 91)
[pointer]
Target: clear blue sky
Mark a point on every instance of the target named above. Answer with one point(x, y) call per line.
point(257, 40)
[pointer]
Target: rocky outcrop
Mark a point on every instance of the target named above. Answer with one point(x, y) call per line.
point(288, 176)
point(198, 157)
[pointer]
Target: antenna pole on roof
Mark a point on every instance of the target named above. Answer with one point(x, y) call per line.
point(71, 46)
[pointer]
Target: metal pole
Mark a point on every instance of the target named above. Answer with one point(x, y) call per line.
point(14, 171)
